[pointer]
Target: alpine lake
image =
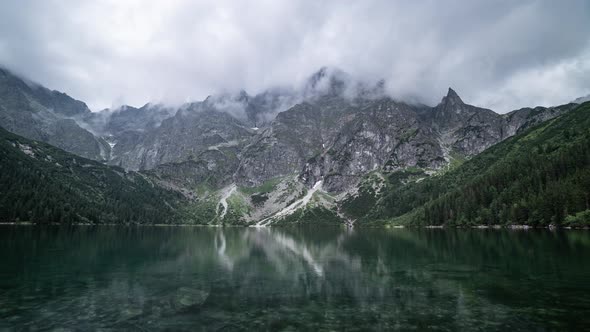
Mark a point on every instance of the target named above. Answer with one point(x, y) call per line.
point(305, 278)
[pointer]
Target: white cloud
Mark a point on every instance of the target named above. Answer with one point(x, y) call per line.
point(502, 54)
point(556, 84)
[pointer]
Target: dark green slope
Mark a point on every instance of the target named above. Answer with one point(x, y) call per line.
point(43, 184)
point(539, 177)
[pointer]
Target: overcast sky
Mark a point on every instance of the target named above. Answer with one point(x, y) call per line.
point(497, 54)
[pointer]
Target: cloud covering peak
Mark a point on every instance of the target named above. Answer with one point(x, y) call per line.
point(499, 54)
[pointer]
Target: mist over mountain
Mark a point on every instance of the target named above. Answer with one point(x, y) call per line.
point(581, 100)
point(501, 56)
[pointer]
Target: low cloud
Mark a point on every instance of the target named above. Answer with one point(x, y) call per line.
point(497, 54)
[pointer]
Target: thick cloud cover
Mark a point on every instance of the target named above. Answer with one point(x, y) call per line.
point(499, 54)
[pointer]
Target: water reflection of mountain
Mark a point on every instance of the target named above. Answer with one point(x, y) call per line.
point(285, 252)
point(303, 278)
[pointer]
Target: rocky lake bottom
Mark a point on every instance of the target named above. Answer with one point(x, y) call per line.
point(292, 278)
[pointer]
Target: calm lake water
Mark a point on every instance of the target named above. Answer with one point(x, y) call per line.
point(322, 278)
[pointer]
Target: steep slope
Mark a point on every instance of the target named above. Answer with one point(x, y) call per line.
point(192, 131)
point(295, 136)
point(342, 129)
point(137, 147)
point(155, 134)
point(376, 134)
point(44, 184)
point(464, 128)
point(338, 139)
point(212, 168)
point(35, 112)
point(539, 177)
point(111, 122)
point(524, 118)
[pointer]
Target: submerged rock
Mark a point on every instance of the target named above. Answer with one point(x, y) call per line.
point(186, 297)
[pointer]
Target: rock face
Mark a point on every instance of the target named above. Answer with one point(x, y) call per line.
point(144, 138)
point(383, 134)
point(212, 168)
point(339, 139)
point(332, 129)
point(35, 112)
point(192, 131)
point(519, 120)
point(127, 118)
point(463, 128)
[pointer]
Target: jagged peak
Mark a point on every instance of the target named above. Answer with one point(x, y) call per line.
point(453, 94)
point(451, 97)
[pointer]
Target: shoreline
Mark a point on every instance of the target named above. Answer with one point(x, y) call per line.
point(497, 227)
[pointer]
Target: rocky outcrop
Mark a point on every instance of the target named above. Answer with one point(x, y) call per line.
point(464, 128)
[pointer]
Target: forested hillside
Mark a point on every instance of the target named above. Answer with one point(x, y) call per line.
point(540, 177)
point(43, 184)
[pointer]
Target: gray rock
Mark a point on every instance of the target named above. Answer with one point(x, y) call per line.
point(186, 297)
point(339, 139)
point(32, 111)
point(186, 135)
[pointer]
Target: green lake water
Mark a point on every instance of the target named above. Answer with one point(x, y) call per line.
point(301, 278)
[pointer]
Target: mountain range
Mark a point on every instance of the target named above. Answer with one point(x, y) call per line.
point(323, 147)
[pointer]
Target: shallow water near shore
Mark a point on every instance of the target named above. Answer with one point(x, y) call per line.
point(292, 278)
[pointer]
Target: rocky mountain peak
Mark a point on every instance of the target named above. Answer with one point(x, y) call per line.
point(452, 98)
point(451, 109)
